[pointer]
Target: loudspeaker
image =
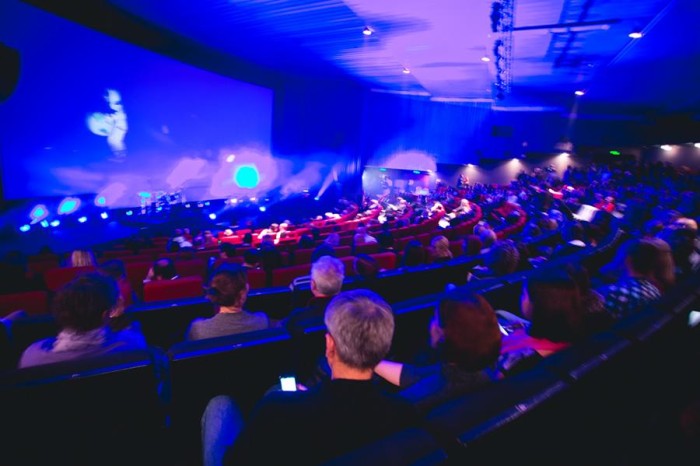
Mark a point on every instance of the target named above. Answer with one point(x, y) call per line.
point(9, 64)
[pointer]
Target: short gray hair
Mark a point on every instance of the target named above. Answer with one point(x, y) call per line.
point(328, 274)
point(362, 326)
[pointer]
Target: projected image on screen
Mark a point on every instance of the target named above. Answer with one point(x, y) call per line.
point(92, 114)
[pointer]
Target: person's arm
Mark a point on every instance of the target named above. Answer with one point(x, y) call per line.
point(390, 371)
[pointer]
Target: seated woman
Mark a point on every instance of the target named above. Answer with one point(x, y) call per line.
point(465, 335)
point(82, 258)
point(228, 290)
point(413, 254)
point(82, 309)
point(554, 318)
point(440, 249)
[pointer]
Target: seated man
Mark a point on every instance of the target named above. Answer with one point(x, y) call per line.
point(332, 418)
point(228, 290)
point(327, 275)
point(82, 309)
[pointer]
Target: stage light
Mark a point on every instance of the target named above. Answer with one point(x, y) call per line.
point(564, 154)
point(212, 216)
point(417, 172)
point(104, 215)
point(24, 228)
point(406, 71)
point(666, 147)
point(100, 201)
point(579, 93)
point(367, 31)
point(635, 35)
point(82, 220)
point(44, 223)
point(247, 176)
point(234, 200)
point(382, 169)
point(129, 213)
point(697, 145)
point(317, 198)
point(230, 158)
point(38, 213)
point(485, 59)
point(206, 203)
point(614, 152)
point(263, 208)
point(252, 199)
point(55, 223)
point(68, 205)
point(188, 205)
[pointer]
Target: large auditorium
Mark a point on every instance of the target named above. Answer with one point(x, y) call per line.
point(356, 232)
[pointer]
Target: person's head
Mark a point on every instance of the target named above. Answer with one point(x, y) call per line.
point(113, 268)
point(333, 239)
point(228, 286)
point(82, 258)
point(472, 245)
point(575, 232)
point(552, 302)
point(385, 239)
point(164, 269)
point(305, 242)
point(413, 253)
point(321, 250)
point(360, 329)
point(251, 257)
point(248, 238)
point(85, 303)
point(327, 275)
point(228, 250)
point(651, 258)
point(440, 248)
point(503, 258)
point(465, 330)
point(366, 266)
point(487, 236)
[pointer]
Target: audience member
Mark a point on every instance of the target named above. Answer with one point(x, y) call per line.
point(502, 259)
point(162, 269)
point(115, 269)
point(440, 249)
point(82, 309)
point(330, 419)
point(464, 333)
point(82, 258)
point(413, 254)
point(228, 290)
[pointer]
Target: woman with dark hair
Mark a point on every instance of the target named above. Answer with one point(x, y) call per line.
point(465, 336)
point(551, 304)
point(413, 254)
point(82, 309)
point(228, 290)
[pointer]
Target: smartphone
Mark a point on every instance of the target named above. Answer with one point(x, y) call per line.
point(503, 330)
point(288, 383)
point(693, 318)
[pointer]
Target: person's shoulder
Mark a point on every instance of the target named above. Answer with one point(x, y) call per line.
point(35, 353)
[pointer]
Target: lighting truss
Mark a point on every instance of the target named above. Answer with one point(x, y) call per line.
point(502, 23)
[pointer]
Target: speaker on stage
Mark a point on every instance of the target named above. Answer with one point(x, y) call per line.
point(9, 64)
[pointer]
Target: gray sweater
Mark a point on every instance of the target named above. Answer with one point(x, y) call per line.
point(224, 324)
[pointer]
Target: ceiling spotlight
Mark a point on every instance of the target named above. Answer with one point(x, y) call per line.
point(367, 31)
point(485, 59)
point(635, 35)
point(666, 147)
point(697, 145)
point(579, 93)
point(406, 71)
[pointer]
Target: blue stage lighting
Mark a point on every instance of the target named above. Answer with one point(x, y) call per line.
point(417, 172)
point(100, 201)
point(317, 198)
point(38, 213)
point(263, 208)
point(104, 215)
point(382, 169)
point(129, 213)
point(206, 203)
point(82, 219)
point(247, 176)
point(44, 224)
point(187, 206)
point(24, 228)
point(212, 216)
point(55, 223)
point(68, 205)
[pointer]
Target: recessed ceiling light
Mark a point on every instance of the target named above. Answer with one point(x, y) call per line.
point(367, 31)
point(635, 35)
point(406, 71)
point(485, 59)
point(666, 147)
point(579, 93)
point(697, 145)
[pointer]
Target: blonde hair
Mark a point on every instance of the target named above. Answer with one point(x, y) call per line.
point(440, 247)
point(82, 258)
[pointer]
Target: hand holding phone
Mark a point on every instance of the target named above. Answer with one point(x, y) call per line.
point(288, 383)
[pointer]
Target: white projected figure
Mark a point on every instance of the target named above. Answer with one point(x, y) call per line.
point(112, 125)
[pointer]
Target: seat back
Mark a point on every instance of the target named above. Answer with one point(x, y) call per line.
point(32, 302)
point(285, 275)
point(56, 278)
point(24, 332)
point(103, 410)
point(164, 323)
point(165, 290)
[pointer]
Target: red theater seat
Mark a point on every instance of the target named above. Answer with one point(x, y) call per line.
point(136, 272)
point(191, 268)
point(457, 247)
point(56, 278)
point(342, 251)
point(32, 302)
point(285, 275)
point(348, 262)
point(165, 290)
point(370, 248)
point(257, 279)
point(386, 260)
point(39, 266)
point(303, 256)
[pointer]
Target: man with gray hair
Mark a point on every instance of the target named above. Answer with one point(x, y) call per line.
point(335, 416)
point(327, 275)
